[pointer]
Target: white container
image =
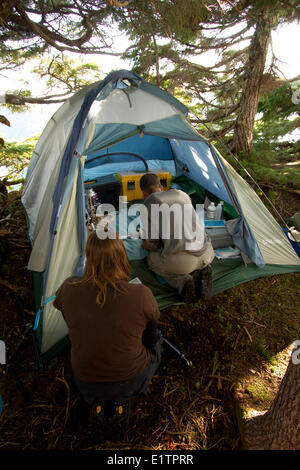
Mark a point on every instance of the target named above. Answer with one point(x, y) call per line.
point(94, 198)
point(219, 211)
point(211, 211)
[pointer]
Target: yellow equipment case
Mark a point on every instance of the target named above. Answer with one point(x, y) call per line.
point(130, 182)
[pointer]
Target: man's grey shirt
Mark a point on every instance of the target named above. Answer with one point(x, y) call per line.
point(172, 223)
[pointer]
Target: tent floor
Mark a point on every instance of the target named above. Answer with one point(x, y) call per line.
point(226, 274)
point(165, 294)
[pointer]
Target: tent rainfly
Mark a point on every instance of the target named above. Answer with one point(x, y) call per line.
point(120, 116)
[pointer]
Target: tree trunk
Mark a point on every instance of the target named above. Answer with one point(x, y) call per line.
point(243, 131)
point(278, 428)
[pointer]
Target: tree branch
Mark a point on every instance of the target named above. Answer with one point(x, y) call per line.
point(289, 5)
point(53, 38)
point(13, 183)
point(19, 100)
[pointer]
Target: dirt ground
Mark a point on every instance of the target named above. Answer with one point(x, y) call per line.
point(238, 342)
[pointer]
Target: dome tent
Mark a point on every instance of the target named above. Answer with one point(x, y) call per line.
point(120, 115)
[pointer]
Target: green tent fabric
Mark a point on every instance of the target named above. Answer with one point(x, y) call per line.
point(226, 274)
point(164, 294)
point(197, 194)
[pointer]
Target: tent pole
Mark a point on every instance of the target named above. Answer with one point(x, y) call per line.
point(182, 356)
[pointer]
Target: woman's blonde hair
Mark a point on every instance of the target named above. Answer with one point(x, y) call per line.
point(106, 265)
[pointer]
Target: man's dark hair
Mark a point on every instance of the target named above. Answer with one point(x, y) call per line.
point(149, 182)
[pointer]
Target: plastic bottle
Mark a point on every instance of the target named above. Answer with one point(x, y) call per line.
point(219, 211)
point(211, 211)
point(94, 198)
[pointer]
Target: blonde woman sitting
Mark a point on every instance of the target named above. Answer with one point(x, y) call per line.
point(115, 346)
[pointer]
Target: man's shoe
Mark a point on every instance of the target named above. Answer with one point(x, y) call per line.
point(206, 283)
point(188, 292)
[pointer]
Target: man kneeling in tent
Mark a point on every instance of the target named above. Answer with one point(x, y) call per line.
point(179, 249)
point(115, 344)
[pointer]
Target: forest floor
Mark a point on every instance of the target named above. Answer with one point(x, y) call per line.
point(239, 343)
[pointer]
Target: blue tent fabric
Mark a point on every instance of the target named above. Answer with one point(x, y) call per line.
point(105, 133)
point(242, 235)
point(172, 127)
point(148, 147)
point(197, 157)
point(132, 164)
point(244, 240)
point(80, 202)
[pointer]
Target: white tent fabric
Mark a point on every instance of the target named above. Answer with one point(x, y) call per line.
point(63, 261)
point(272, 242)
point(48, 151)
point(128, 106)
point(132, 106)
point(41, 234)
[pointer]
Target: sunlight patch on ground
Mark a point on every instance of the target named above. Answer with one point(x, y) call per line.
point(256, 392)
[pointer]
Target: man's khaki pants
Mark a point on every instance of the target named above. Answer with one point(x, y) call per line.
point(176, 269)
